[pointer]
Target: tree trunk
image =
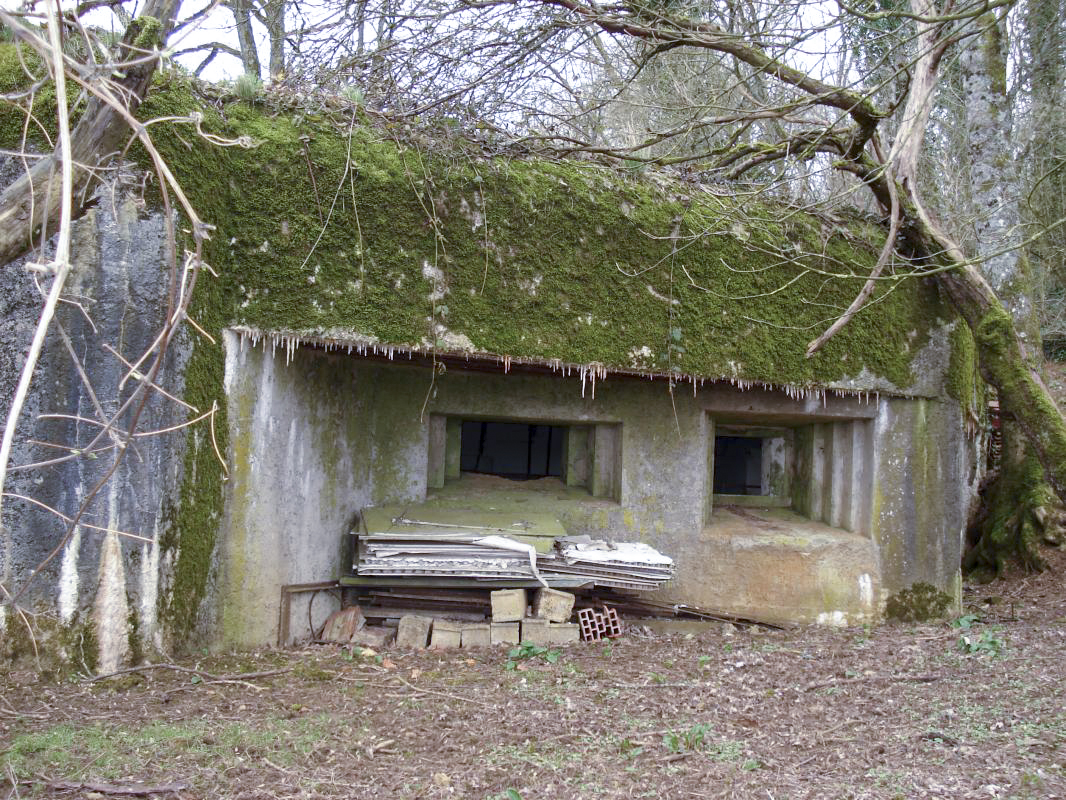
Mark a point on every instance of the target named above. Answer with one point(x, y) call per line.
point(1003, 361)
point(242, 17)
point(33, 200)
point(1016, 501)
point(274, 19)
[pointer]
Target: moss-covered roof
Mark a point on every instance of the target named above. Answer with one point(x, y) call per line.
point(334, 231)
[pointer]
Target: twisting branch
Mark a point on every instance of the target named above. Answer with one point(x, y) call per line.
point(883, 259)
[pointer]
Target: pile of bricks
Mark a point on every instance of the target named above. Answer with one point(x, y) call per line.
point(544, 623)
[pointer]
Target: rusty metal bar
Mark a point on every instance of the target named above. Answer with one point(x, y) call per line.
point(287, 591)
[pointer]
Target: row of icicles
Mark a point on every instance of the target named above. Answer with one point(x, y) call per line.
point(588, 373)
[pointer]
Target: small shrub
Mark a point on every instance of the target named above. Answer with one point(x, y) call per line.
point(973, 642)
point(526, 651)
point(681, 741)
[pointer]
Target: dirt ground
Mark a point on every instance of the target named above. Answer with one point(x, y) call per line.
point(899, 711)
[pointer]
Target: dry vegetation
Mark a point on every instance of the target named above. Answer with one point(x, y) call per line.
point(898, 711)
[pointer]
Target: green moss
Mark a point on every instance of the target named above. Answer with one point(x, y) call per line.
point(55, 650)
point(1013, 513)
point(31, 118)
point(133, 633)
point(919, 602)
point(534, 259)
point(192, 521)
point(962, 380)
point(147, 33)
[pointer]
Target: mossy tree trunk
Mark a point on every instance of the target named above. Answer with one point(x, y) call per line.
point(1007, 367)
point(1013, 516)
point(1015, 502)
point(33, 200)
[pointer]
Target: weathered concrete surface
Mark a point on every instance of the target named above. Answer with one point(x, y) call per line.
point(504, 632)
point(923, 480)
point(508, 605)
point(307, 453)
point(475, 634)
point(881, 483)
point(776, 565)
point(553, 605)
point(446, 634)
point(105, 587)
point(413, 632)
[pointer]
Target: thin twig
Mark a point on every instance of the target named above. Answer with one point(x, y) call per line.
point(873, 679)
point(443, 694)
point(129, 790)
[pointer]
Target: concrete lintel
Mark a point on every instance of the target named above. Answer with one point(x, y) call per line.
point(770, 407)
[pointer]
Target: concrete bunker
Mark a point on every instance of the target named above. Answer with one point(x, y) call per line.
point(816, 535)
point(558, 306)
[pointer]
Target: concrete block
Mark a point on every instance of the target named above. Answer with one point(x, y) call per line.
point(508, 605)
point(562, 632)
point(413, 632)
point(475, 634)
point(373, 636)
point(504, 632)
point(446, 633)
point(553, 605)
point(535, 631)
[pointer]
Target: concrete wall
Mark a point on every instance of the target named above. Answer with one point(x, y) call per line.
point(882, 482)
point(313, 441)
point(103, 587)
point(924, 477)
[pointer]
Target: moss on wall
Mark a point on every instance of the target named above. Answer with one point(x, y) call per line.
point(920, 602)
point(32, 117)
point(535, 259)
point(963, 381)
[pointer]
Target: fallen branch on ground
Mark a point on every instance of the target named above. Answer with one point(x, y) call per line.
point(442, 694)
point(130, 790)
point(205, 676)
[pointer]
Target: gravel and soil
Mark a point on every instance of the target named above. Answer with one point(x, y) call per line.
point(971, 710)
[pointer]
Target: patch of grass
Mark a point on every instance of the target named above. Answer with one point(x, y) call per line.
point(698, 739)
point(892, 779)
point(549, 756)
point(110, 752)
point(728, 750)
